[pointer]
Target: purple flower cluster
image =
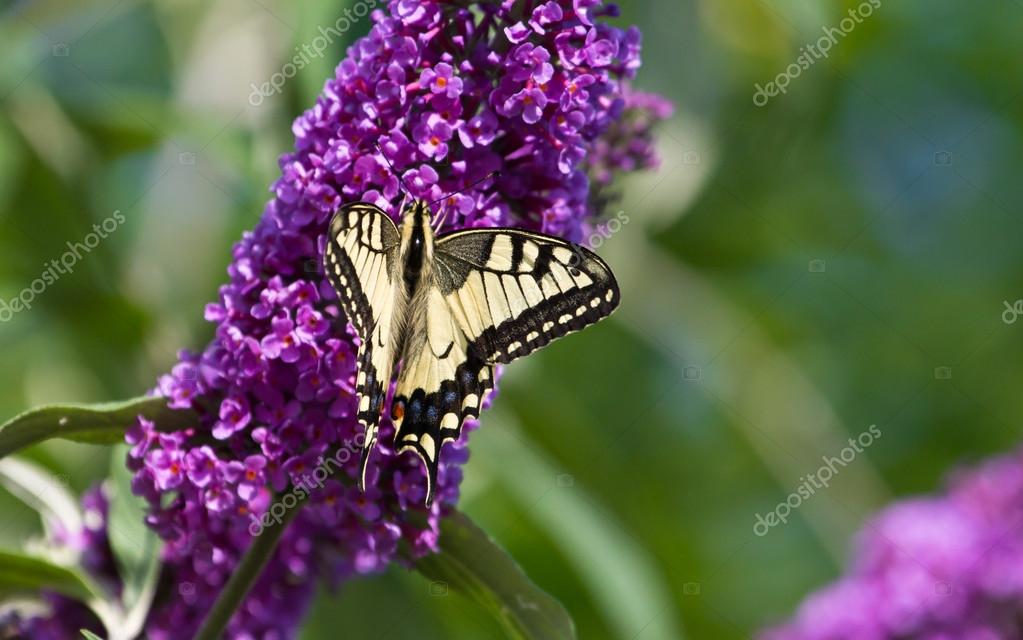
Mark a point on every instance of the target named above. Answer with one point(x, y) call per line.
point(445, 93)
point(938, 568)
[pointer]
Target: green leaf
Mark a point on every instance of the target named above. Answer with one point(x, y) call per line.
point(471, 563)
point(88, 635)
point(136, 547)
point(22, 574)
point(44, 492)
point(94, 424)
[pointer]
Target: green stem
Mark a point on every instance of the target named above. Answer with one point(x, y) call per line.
point(243, 578)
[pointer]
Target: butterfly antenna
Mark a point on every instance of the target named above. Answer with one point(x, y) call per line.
point(441, 217)
point(404, 189)
point(464, 189)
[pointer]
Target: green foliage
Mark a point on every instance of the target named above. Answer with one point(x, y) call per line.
point(136, 547)
point(104, 423)
point(22, 575)
point(471, 563)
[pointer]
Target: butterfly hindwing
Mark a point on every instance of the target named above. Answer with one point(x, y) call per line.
point(361, 261)
point(442, 382)
point(514, 291)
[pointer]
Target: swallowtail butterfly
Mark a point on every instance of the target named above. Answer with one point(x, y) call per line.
point(447, 309)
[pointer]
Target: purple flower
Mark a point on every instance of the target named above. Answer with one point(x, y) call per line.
point(478, 130)
point(252, 481)
point(530, 102)
point(532, 64)
point(200, 465)
point(949, 566)
point(550, 111)
point(433, 136)
point(234, 416)
point(442, 80)
point(167, 467)
point(282, 342)
point(408, 490)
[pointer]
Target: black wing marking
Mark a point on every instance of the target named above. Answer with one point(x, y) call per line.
point(514, 291)
point(361, 261)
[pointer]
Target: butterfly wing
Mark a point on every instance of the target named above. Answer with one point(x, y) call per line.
point(498, 294)
point(361, 262)
point(513, 291)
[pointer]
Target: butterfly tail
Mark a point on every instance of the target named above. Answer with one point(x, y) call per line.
point(367, 448)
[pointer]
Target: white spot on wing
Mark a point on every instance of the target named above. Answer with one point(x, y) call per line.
point(516, 299)
point(560, 274)
point(500, 253)
point(563, 254)
point(550, 288)
point(426, 441)
point(531, 291)
point(496, 301)
point(530, 251)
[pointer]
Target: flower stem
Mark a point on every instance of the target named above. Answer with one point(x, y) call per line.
point(243, 578)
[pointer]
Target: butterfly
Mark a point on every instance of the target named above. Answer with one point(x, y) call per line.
point(446, 309)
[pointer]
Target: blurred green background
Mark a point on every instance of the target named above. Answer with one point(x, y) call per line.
point(794, 273)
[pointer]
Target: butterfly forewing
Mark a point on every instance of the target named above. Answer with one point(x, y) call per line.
point(513, 291)
point(361, 261)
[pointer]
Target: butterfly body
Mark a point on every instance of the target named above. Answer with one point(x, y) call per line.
point(446, 309)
